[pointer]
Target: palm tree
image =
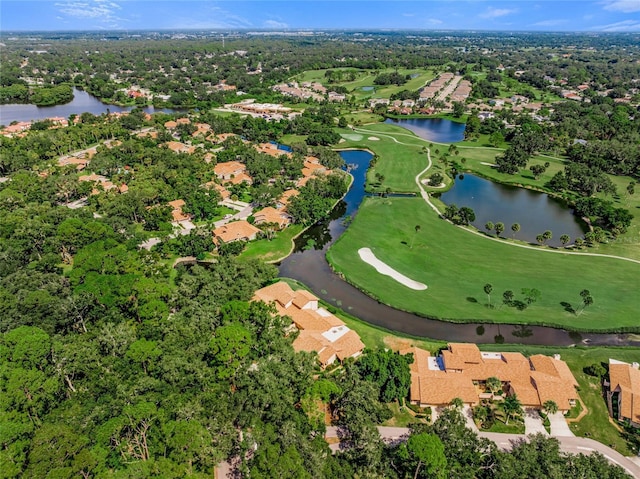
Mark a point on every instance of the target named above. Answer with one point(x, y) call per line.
point(515, 227)
point(489, 226)
point(457, 403)
point(564, 239)
point(487, 289)
point(417, 228)
point(550, 407)
point(512, 407)
point(499, 228)
point(494, 384)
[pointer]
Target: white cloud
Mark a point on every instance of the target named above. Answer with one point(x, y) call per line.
point(623, 26)
point(96, 9)
point(435, 21)
point(274, 24)
point(625, 6)
point(549, 23)
point(497, 12)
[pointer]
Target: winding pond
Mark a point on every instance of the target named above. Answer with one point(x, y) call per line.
point(308, 265)
point(439, 130)
point(535, 212)
point(82, 102)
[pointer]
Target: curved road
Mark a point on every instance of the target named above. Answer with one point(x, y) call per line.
point(571, 445)
point(425, 196)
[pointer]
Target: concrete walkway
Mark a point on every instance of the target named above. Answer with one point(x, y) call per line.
point(533, 423)
point(559, 426)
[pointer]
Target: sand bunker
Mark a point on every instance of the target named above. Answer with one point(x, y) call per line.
point(374, 138)
point(492, 165)
point(351, 136)
point(427, 181)
point(368, 257)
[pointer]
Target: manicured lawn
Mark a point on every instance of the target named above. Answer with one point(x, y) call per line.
point(400, 162)
point(455, 265)
point(401, 417)
point(514, 427)
point(274, 249)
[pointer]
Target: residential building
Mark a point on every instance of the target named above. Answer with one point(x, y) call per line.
point(461, 371)
point(272, 215)
point(623, 391)
point(177, 215)
point(235, 231)
point(229, 169)
point(319, 330)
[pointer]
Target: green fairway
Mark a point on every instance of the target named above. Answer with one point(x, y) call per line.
point(455, 265)
point(401, 157)
point(364, 78)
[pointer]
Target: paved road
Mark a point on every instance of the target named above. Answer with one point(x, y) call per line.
point(572, 445)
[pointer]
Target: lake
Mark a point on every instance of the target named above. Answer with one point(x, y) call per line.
point(308, 265)
point(535, 212)
point(82, 102)
point(432, 129)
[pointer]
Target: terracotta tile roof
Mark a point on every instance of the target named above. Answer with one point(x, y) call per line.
point(420, 358)
point(320, 331)
point(459, 356)
point(283, 201)
point(225, 170)
point(170, 125)
point(625, 379)
point(175, 204)
point(272, 215)
point(179, 147)
point(224, 193)
point(240, 178)
point(236, 231)
point(553, 367)
point(280, 292)
point(463, 364)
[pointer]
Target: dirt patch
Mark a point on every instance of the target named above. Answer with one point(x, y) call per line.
point(396, 344)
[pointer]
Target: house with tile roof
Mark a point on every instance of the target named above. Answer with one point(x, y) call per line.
point(284, 199)
point(235, 231)
point(319, 330)
point(272, 215)
point(623, 391)
point(461, 371)
point(177, 215)
point(229, 169)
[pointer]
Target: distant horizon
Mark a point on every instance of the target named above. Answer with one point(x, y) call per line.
point(319, 30)
point(540, 16)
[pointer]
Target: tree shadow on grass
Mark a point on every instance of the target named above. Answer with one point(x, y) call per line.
point(567, 307)
point(472, 300)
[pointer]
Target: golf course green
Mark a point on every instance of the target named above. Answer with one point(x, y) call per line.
point(456, 264)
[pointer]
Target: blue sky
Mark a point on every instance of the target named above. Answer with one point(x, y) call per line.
point(543, 15)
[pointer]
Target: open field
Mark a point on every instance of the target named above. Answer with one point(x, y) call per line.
point(456, 265)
